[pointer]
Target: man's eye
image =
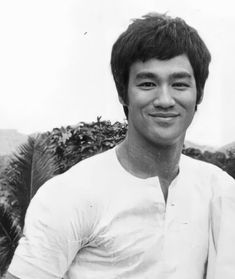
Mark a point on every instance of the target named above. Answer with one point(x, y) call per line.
point(180, 85)
point(147, 85)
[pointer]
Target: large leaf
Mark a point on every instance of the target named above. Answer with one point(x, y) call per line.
point(28, 169)
point(10, 232)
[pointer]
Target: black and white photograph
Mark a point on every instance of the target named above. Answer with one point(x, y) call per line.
point(117, 139)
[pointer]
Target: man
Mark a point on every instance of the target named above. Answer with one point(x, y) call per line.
point(140, 210)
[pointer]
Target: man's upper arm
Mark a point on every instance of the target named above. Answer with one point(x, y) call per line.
point(221, 260)
point(48, 244)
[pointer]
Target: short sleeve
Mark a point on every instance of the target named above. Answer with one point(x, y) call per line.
point(221, 261)
point(51, 239)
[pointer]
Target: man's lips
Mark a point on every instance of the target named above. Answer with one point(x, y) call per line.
point(164, 115)
point(164, 118)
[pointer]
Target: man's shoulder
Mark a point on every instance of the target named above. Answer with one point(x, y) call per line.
point(76, 188)
point(201, 170)
point(196, 165)
point(95, 165)
point(105, 157)
point(82, 176)
point(208, 174)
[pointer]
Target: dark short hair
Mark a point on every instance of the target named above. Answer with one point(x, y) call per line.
point(162, 37)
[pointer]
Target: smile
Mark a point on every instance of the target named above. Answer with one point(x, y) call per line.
point(164, 117)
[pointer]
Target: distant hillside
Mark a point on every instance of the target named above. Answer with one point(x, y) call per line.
point(10, 140)
point(228, 148)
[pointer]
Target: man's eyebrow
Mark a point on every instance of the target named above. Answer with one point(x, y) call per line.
point(175, 75)
point(179, 75)
point(143, 75)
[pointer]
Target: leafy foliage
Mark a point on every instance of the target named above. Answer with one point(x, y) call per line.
point(70, 145)
point(27, 171)
point(4, 160)
point(10, 232)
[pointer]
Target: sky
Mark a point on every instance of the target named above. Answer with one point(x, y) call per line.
point(55, 62)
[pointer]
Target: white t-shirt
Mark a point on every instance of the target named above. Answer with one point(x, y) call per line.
point(97, 221)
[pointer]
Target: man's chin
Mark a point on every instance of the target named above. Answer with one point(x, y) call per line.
point(167, 140)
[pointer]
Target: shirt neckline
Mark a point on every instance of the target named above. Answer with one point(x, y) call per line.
point(149, 180)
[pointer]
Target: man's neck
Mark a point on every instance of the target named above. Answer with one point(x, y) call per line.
point(148, 160)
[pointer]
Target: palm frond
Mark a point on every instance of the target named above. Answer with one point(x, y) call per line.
point(28, 169)
point(10, 232)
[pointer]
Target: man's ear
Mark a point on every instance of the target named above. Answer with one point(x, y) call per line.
point(201, 97)
point(124, 105)
point(121, 100)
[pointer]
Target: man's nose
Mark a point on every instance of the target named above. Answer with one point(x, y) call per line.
point(163, 97)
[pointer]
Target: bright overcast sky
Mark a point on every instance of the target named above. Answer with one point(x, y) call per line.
point(54, 62)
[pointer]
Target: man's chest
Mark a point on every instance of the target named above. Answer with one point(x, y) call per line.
point(146, 233)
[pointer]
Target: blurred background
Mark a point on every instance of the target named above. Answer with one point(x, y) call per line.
point(55, 63)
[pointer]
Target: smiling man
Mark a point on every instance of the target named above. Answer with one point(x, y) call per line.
point(161, 104)
point(141, 210)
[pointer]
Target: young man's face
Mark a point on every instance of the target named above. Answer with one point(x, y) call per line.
point(161, 99)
